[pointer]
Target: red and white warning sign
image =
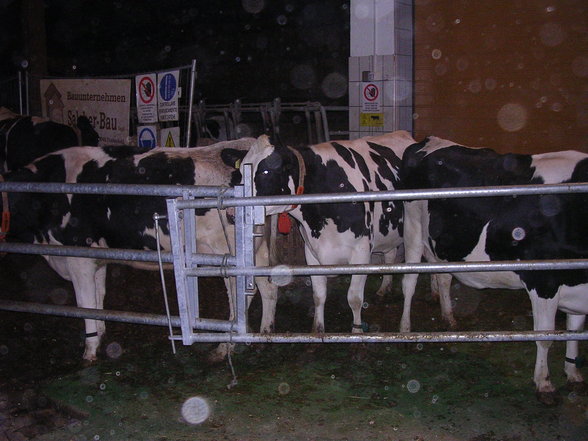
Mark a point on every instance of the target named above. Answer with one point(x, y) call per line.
point(371, 97)
point(146, 91)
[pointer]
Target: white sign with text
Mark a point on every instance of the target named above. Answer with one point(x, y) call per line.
point(105, 102)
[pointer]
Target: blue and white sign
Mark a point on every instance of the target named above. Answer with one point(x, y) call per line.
point(168, 91)
point(147, 136)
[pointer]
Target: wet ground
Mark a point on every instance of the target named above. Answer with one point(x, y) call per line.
point(141, 391)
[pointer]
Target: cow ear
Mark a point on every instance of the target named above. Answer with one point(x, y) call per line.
point(261, 144)
point(233, 157)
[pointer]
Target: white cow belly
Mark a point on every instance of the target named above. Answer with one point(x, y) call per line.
point(497, 279)
point(574, 299)
point(334, 248)
point(490, 279)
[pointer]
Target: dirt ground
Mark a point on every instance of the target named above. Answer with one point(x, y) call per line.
point(141, 391)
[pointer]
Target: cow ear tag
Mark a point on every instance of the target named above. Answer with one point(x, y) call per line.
point(284, 223)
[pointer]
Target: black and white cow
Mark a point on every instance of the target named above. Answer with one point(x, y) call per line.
point(503, 228)
point(343, 233)
point(123, 221)
point(26, 138)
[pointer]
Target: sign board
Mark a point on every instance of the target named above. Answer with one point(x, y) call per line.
point(170, 137)
point(146, 93)
point(105, 102)
point(168, 95)
point(371, 114)
point(147, 136)
point(371, 120)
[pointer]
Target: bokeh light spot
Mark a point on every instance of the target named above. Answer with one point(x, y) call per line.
point(512, 117)
point(195, 410)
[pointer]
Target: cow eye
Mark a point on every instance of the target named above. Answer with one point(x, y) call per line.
point(265, 172)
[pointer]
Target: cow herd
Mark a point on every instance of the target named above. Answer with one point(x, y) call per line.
point(500, 228)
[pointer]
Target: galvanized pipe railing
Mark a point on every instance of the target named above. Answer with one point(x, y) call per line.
point(219, 193)
point(110, 253)
point(227, 336)
point(200, 191)
point(395, 195)
point(394, 337)
point(97, 314)
point(420, 268)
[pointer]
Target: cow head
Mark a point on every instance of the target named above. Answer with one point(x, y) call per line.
point(275, 171)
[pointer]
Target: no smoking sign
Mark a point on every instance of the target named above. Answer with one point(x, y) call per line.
point(146, 90)
point(371, 97)
point(371, 92)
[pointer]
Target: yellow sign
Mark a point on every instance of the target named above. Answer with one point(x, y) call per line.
point(371, 119)
point(169, 137)
point(169, 142)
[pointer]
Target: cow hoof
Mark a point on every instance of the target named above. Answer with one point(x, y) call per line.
point(578, 387)
point(549, 398)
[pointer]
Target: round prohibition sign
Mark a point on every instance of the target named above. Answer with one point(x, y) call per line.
point(371, 92)
point(146, 90)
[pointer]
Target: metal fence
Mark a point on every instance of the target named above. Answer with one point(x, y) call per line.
point(237, 119)
point(189, 264)
point(287, 120)
point(14, 92)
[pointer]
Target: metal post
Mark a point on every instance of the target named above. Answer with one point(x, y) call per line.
point(191, 102)
point(27, 110)
point(325, 123)
point(20, 98)
point(173, 215)
point(246, 218)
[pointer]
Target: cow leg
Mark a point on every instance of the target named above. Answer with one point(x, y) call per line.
point(386, 286)
point(355, 300)
point(100, 281)
point(84, 278)
point(544, 320)
point(269, 298)
point(436, 287)
point(409, 282)
point(442, 283)
point(319, 292)
point(224, 349)
point(575, 322)
point(264, 256)
point(413, 252)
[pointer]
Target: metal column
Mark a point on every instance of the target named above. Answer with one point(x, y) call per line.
point(183, 225)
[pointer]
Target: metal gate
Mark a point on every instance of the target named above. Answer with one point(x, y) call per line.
point(189, 264)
